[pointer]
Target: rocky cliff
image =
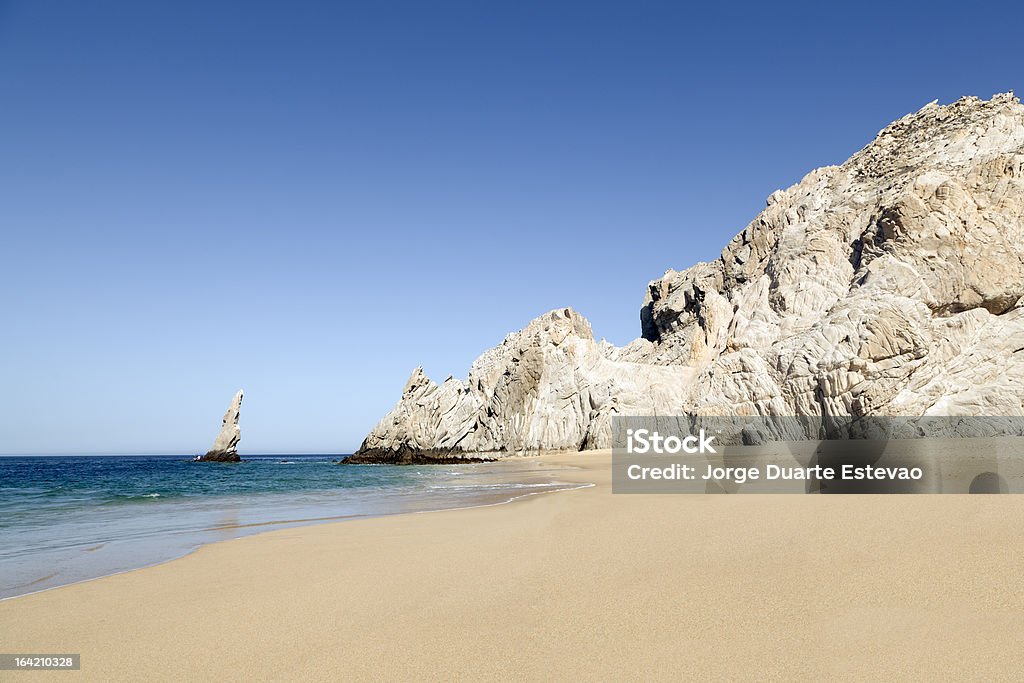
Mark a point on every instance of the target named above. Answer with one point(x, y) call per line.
point(889, 285)
point(225, 446)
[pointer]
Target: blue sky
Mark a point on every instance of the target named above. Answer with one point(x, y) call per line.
point(309, 199)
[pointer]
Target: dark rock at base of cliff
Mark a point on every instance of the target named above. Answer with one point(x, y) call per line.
point(218, 457)
point(410, 456)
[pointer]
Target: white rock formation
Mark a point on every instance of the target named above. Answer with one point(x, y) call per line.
point(889, 285)
point(551, 385)
point(225, 446)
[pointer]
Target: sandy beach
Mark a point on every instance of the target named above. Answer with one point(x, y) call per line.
point(579, 584)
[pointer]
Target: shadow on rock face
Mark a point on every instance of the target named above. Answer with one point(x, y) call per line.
point(989, 482)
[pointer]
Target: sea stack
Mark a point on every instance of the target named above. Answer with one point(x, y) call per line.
point(225, 447)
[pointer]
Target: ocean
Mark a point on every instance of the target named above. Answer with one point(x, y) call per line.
point(65, 519)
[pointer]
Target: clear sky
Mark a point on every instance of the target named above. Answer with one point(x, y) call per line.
point(308, 199)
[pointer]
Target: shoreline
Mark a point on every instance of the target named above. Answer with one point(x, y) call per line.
point(587, 584)
point(245, 530)
point(299, 524)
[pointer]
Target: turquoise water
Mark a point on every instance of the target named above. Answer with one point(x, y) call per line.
point(67, 519)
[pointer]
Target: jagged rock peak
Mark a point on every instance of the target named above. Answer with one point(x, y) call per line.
point(815, 242)
point(225, 446)
point(952, 135)
point(548, 386)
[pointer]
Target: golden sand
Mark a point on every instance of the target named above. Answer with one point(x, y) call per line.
point(577, 585)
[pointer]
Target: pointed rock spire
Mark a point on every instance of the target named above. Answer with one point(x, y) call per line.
point(225, 446)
